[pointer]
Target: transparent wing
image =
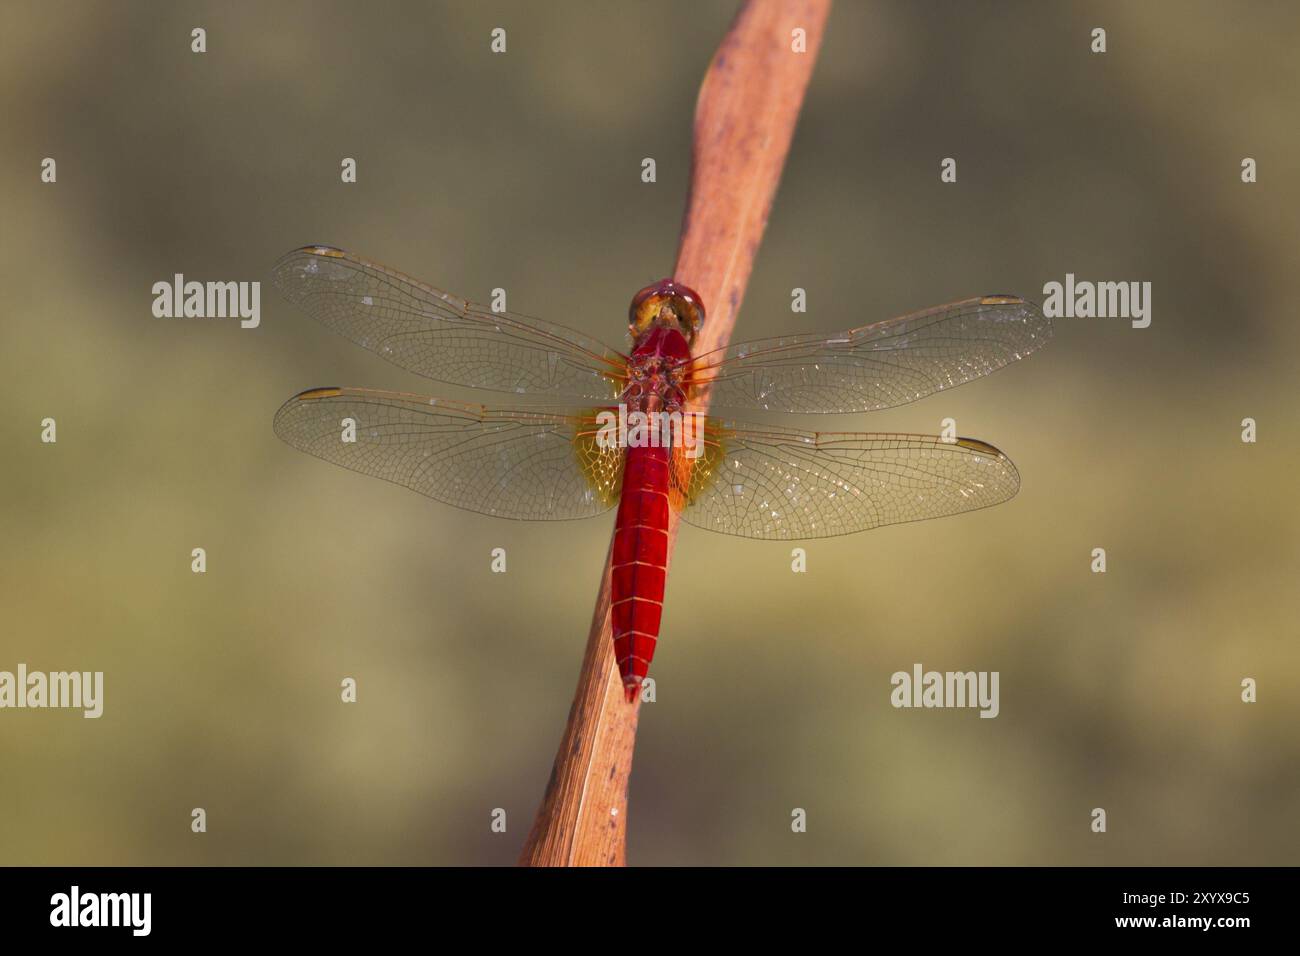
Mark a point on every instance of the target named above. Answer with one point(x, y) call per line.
point(877, 366)
point(443, 337)
point(511, 463)
point(775, 483)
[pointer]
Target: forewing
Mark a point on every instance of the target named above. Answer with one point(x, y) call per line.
point(511, 463)
point(877, 366)
point(443, 337)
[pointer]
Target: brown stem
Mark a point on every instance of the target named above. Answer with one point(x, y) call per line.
point(744, 119)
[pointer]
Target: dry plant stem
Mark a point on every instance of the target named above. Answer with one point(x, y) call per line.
point(744, 119)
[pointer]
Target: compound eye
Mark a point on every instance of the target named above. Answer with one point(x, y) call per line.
point(645, 304)
point(682, 301)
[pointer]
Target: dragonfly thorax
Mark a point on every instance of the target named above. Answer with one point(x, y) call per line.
point(657, 371)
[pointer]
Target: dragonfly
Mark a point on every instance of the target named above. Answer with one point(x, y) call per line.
point(564, 459)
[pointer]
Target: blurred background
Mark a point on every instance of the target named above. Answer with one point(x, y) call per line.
point(1118, 690)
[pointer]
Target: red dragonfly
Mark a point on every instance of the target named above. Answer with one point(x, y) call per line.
point(548, 463)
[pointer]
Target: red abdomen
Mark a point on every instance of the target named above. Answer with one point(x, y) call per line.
point(640, 559)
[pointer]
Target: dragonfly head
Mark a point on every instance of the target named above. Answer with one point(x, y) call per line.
point(666, 303)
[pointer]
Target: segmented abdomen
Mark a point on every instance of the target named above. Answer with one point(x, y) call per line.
point(640, 559)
